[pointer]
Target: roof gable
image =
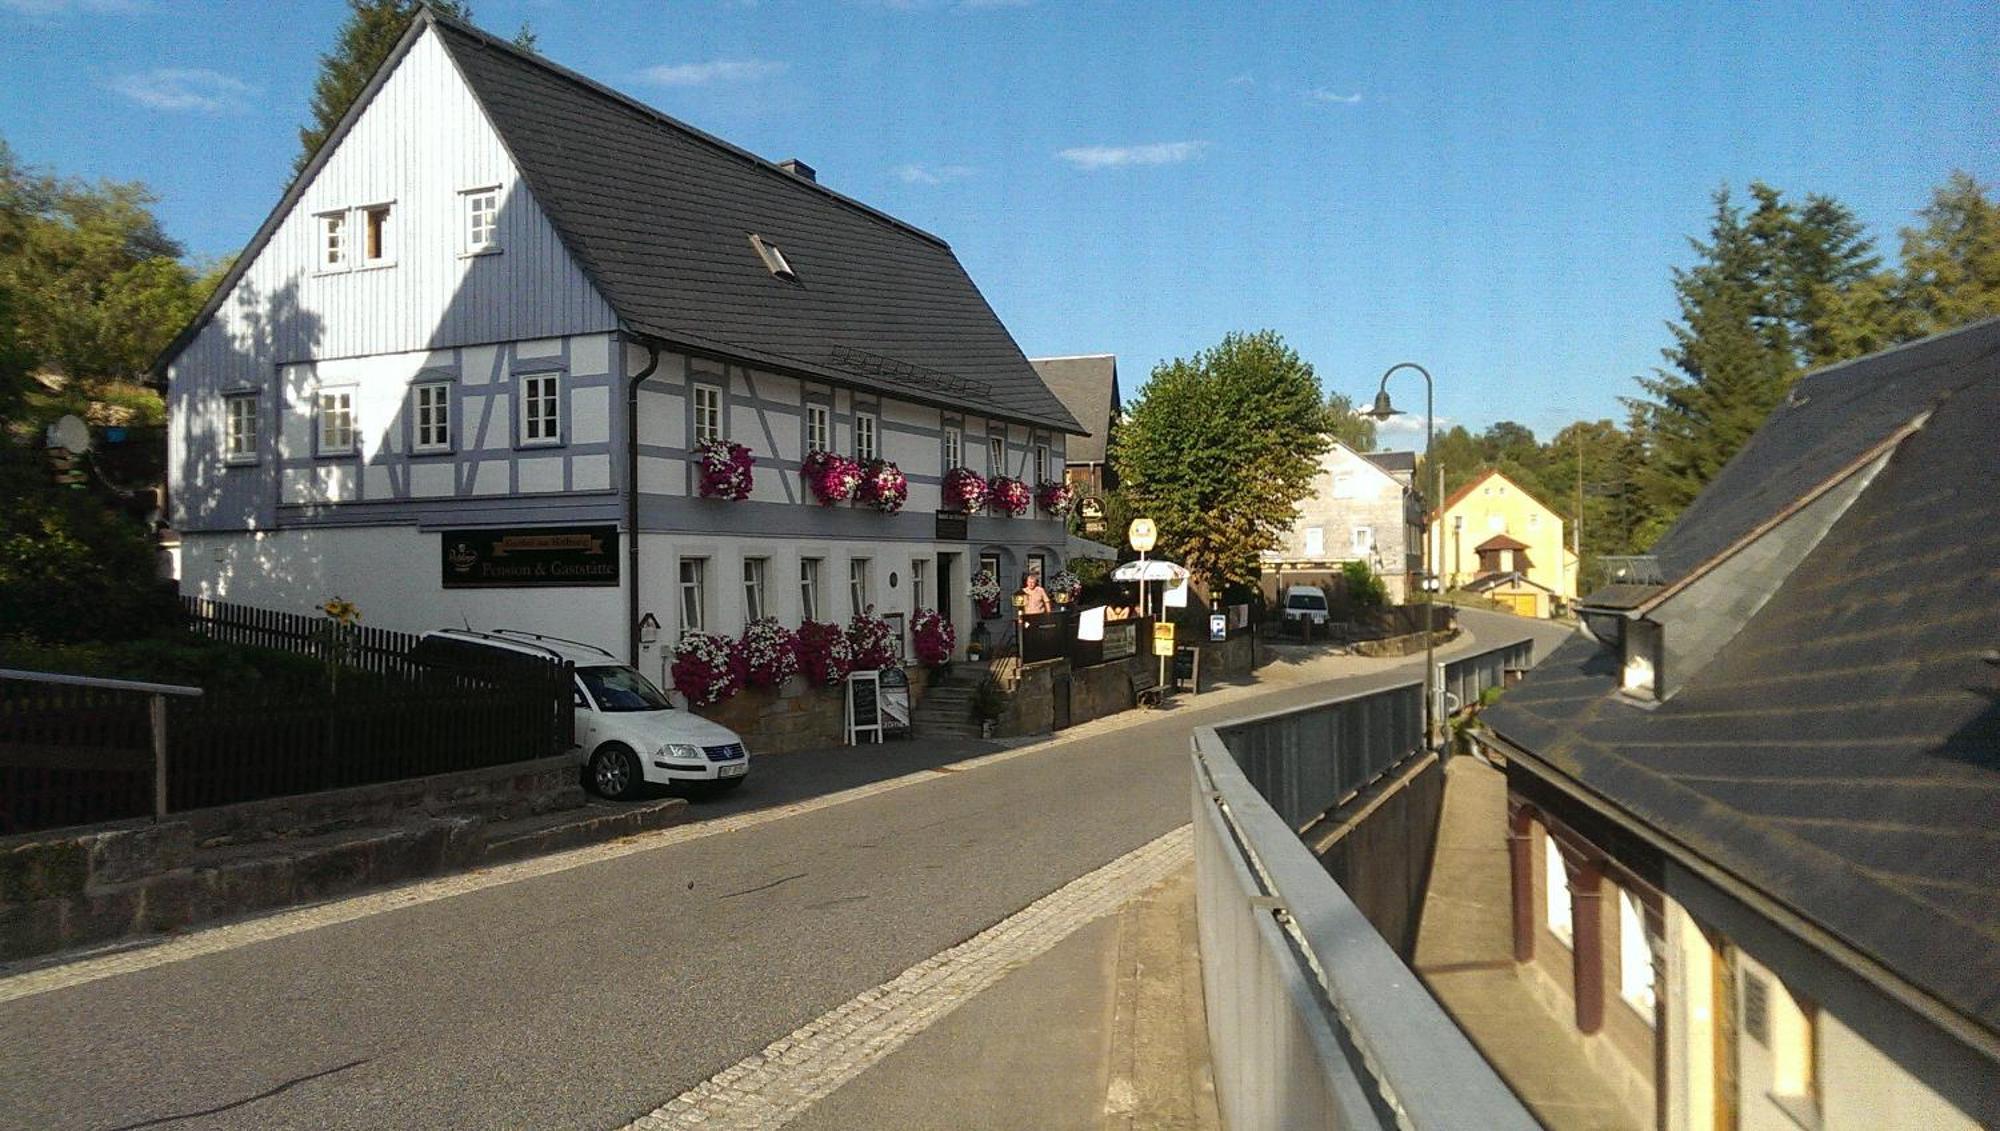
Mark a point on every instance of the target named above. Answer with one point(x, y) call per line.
point(1476, 481)
point(660, 217)
point(1088, 387)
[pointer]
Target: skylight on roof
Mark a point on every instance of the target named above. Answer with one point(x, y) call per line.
point(774, 259)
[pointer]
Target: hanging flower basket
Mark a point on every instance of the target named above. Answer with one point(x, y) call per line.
point(1008, 496)
point(1064, 585)
point(883, 486)
point(769, 651)
point(985, 591)
point(832, 476)
point(707, 669)
point(873, 643)
point(932, 637)
point(964, 490)
point(825, 656)
point(725, 469)
point(1055, 496)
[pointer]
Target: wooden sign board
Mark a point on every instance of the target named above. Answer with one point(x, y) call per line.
point(533, 557)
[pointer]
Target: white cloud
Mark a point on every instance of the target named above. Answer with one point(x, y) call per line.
point(1407, 424)
point(1322, 94)
point(182, 88)
point(1243, 79)
point(66, 7)
point(713, 71)
point(1119, 156)
point(918, 173)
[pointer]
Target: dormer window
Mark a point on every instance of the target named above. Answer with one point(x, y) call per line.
point(1641, 677)
point(774, 258)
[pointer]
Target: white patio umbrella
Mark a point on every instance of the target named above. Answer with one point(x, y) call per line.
point(1154, 570)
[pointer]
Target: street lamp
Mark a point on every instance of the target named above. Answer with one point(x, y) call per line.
point(1383, 410)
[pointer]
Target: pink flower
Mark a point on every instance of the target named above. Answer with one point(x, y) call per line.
point(874, 647)
point(833, 477)
point(1008, 496)
point(707, 669)
point(932, 636)
point(825, 656)
point(964, 490)
point(725, 469)
point(883, 486)
point(1055, 496)
point(769, 652)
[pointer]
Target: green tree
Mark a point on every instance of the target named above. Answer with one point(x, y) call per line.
point(1219, 448)
point(1347, 425)
point(370, 33)
point(1951, 264)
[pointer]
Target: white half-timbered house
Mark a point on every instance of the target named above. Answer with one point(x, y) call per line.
point(467, 357)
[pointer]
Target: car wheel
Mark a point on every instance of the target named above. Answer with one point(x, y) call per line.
point(615, 773)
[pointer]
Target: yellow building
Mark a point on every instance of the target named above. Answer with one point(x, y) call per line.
point(1493, 537)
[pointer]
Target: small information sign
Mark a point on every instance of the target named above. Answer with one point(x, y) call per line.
point(1163, 639)
point(1218, 626)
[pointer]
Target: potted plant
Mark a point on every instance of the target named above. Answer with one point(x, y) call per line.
point(707, 669)
point(725, 469)
point(873, 644)
point(964, 490)
point(825, 656)
point(1055, 496)
point(933, 637)
point(985, 591)
point(883, 486)
point(769, 651)
point(833, 477)
point(1005, 495)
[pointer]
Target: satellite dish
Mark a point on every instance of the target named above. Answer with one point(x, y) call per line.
point(70, 433)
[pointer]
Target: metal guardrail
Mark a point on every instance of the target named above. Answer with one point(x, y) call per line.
point(1313, 1020)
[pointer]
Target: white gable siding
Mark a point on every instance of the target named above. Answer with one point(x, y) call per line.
point(417, 146)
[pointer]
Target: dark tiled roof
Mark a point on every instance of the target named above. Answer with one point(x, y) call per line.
point(1832, 417)
point(1622, 596)
point(1088, 387)
point(1393, 462)
point(1500, 542)
point(659, 216)
point(1842, 753)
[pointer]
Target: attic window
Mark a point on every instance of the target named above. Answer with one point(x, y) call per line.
point(774, 259)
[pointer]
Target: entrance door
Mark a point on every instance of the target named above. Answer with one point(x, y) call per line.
point(947, 592)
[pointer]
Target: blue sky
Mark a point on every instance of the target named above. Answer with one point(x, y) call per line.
point(1497, 191)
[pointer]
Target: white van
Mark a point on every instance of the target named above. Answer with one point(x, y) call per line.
point(1307, 603)
point(629, 732)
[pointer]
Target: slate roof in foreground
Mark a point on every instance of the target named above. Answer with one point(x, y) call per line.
point(659, 215)
point(1842, 753)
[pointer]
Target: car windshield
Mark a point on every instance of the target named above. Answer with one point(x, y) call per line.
point(619, 688)
point(1306, 601)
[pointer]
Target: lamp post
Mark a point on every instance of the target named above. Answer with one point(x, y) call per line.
point(1383, 410)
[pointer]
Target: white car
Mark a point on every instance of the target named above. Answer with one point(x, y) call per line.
point(628, 731)
point(1307, 603)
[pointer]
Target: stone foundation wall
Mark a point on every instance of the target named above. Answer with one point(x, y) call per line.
point(795, 716)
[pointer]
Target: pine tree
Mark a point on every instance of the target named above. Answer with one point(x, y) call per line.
point(370, 33)
point(1951, 265)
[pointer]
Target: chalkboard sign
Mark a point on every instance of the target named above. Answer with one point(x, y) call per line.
point(895, 699)
point(1187, 667)
point(864, 706)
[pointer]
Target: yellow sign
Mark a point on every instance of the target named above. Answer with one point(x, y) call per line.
point(1142, 535)
point(1163, 639)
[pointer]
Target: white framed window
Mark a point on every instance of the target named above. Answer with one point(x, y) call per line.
point(239, 435)
point(920, 583)
point(430, 409)
point(541, 409)
point(754, 607)
point(482, 219)
point(1635, 956)
point(954, 448)
point(1042, 462)
point(335, 434)
point(707, 413)
point(377, 235)
point(1315, 542)
point(819, 429)
point(996, 454)
point(864, 435)
point(857, 585)
point(1364, 541)
point(694, 594)
point(1555, 879)
point(809, 590)
point(333, 251)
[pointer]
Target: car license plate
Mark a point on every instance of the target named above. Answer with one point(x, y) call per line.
point(736, 770)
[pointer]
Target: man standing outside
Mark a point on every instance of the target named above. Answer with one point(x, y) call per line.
point(1038, 597)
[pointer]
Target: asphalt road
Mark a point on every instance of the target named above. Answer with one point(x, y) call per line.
point(587, 997)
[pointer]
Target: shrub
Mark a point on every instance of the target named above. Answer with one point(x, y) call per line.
point(825, 656)
point(1365, 591)
point(725, 469)
point(769, 652)
point(873, 645)
point(933, 637)
point(73, 567)
point(707, 669)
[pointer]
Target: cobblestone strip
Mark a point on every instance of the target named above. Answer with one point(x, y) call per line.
point(772, 1087)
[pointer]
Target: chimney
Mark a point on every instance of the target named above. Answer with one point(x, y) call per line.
point(799, 169)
